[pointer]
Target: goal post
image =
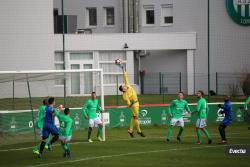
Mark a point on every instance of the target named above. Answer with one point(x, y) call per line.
point(23, 92)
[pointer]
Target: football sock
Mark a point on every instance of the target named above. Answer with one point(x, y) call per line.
point(137, 125)
point(37, 147)
point(54, 139)
point(42, 145)
point(206, 133)
point(89, 132)
point(221, 131)
point(48, 140)
point(131, 127)
point(198, 133)
point(180, 131)
point(99, 132)
point(170, 131)
point(65, 146)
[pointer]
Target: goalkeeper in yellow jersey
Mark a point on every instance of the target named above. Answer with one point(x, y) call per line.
point(130, 96)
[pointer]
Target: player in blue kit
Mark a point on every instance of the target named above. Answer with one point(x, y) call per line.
point(49, 126)
point(226, 109)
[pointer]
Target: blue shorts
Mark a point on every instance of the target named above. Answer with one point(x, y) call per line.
point(226, 122)
point(49, 129)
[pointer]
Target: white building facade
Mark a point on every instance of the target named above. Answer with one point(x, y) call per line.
point(162, 36)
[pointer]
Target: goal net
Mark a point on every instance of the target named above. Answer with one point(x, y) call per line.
point(22, 92)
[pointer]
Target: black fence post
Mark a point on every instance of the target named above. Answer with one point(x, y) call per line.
point(13, 95)
point(180, 82)
point(117, 92)
point(163, 88)
point(160, 82)
point(142, 73)
point(216, 82)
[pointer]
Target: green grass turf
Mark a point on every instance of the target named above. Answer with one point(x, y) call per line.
point(120, 150)
point(23, 103)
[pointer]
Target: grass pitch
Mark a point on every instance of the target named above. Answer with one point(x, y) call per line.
point(121, 151)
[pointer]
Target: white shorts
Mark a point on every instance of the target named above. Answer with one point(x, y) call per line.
point(57, 123)
point(94, 121)
point(177, 122)
point(62, 138)
point(201, 123)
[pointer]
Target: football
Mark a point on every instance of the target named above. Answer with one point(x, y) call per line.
point(118, 61)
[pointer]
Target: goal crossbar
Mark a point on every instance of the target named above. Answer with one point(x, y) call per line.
point(50, 71)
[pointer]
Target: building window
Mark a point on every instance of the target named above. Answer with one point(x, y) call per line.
point(91, 17)
point(59, 65)
point(109, 16)
point(81, 56)
point(149, 15)
point(84, 82)
point(167, 14)
point(112, 73)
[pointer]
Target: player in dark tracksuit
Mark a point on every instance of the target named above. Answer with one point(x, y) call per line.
point(228, 111)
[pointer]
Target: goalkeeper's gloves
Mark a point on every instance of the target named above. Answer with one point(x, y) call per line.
point(122, 67)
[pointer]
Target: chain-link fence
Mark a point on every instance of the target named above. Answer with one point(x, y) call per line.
point(170, 83)
point(163, 83)
point(232, 83)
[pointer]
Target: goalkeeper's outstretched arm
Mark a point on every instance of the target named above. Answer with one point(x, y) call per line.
point(125, 78)
point(125, 75)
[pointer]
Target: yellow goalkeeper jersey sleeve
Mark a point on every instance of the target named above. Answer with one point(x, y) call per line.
point(130, 96)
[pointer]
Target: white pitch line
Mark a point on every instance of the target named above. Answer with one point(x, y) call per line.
point(127, 154)
point(26, 148)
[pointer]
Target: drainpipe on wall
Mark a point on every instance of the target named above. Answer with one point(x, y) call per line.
point(123, 16)
point(126, 16)
point(130, 16)
point(136, 16)
point(133, 27)
point(208, 49)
